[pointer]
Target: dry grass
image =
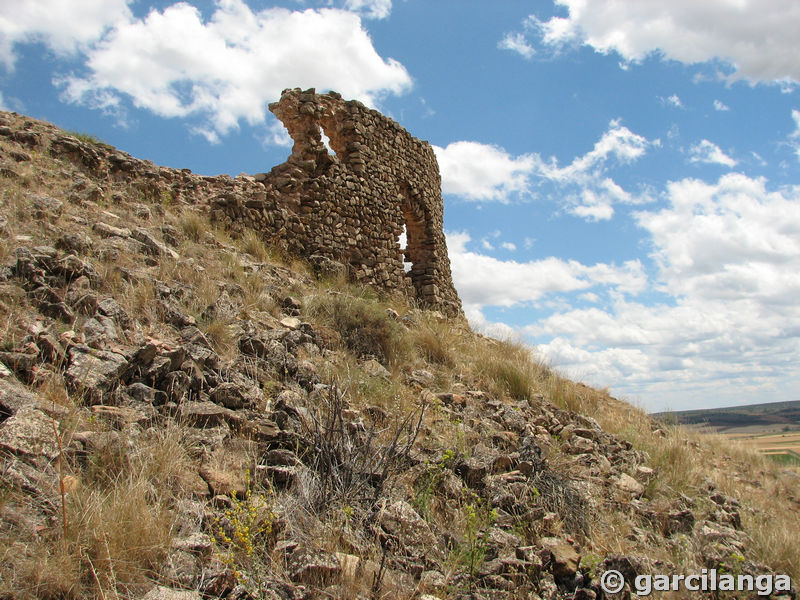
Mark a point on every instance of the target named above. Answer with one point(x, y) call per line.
point(119, 525)
point(366, 329)
point(436, 343)
point(218, 332)
point(194, 225)
point(254, 245)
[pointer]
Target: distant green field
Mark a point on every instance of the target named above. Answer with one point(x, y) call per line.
point(790, 459)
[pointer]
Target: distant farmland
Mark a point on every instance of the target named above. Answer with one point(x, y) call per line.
point(772, 428)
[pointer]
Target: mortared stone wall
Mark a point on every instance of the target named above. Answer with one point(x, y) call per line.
point(348, 199)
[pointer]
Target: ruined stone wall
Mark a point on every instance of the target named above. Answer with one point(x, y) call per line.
point(351, 200)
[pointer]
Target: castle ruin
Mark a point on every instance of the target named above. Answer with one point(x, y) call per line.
point(354, 183)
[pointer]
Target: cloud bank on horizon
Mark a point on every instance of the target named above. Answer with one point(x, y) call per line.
point(641, 229)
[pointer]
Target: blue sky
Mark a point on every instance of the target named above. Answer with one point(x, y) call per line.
point(621, 178)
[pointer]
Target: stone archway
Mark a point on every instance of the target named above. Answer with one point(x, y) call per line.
point(419, 241)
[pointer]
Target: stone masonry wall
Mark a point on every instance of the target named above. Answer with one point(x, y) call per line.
point(350, 201)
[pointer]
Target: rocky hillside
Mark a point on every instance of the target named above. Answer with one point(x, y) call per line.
point(188, 413)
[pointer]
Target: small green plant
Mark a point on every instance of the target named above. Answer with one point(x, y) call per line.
point(478, 519)
point(590, 562)
point(426, 485)
point(89, 138)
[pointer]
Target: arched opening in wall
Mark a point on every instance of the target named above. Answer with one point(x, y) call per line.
point(326, 141)
point(402, 241)
point(419, 243)
point(332, 137)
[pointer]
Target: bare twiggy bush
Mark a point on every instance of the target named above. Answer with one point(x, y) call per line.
point(556, 493)
point(349, 465)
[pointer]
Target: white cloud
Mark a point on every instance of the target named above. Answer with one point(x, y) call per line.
point(757, 39)
point(726, 260)
point(796, 119)
point(371, 9)
point(594, 211)
point(228, 68)
point(794, 137)
point(618, 142)
point(481, 172)
point(731, 240)
point(64, 27)
point(674, 101)
point(516, 42)
point(482, 280)
point(729, 257)
point(708, 152)
point(510, 246)
point(721, 106)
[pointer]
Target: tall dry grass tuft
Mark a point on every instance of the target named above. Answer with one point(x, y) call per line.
point(118, 525)
point(194, 225)
point(364, 325)
point(435, 343)
point(508, 368)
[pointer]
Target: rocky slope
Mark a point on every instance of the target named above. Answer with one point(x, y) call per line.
point(187, 413)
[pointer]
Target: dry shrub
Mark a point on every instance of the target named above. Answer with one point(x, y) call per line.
point(349, 466)
point(433, 344)
point(365, 327)
point(193, 225)
point(509, 368)
point(556, 493)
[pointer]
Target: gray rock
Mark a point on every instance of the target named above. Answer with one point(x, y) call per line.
point(412, 531)
point(309, 565)
point(142, 235)
point(29, 432)
point(14, 396)
point(165, 593)
point(233, 396)
point(207, 414)
point(110, 231)
point(94, 372)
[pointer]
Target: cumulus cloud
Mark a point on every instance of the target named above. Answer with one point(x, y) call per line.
point(674, 101)
point(482, 172)
point(794, 137)
point(64, 27)
point(371, 9)
point(215, 72)
point(516, 42)
point(729, 240)
point(754, 38)
point(727, 256)
point(709, 153)
point(721, 106)
point(483, 280)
